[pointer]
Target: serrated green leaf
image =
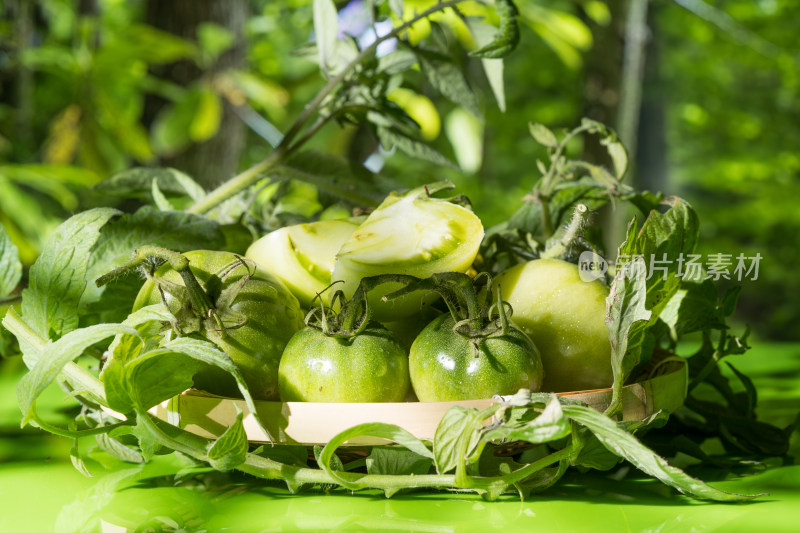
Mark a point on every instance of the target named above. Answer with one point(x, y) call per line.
point(77, 460)
point(397, 461)
point(174, 230)
point(332, 175)
point(115, 448)
point(493, 68)
point(448, 79)
point(550, 425)
point(396, 62)
point(205, 352)
point(230, 449)
point(10, 265)
point(391, 137)
point(137, 182)
point(457, 425)
point(326, 28)
point(542, 135)
point(506, 39)
point(48, 364)
point(58, 278)
point(627, 318)
point(625, 445)
point(567, 195)
point(692, 308)
point(729, 300)
point(374, 429)
point(619, 158)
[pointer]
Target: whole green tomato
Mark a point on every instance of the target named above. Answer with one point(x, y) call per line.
point(446, 366)
point(565, 317)
point(259, 318)
point(371, 366)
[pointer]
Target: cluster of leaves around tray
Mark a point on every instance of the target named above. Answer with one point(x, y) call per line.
point(551, 434)
point(66, 321)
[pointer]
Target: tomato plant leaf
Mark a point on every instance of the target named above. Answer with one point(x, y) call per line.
point(627, 319)
point(286, 454)
point(230, 449)
point(447, 78)
point(326, 28)
point(58, 277)
point(625, 445)
point(396, 62)
point(115, 448)
point(493, 68)
point(10, 265)
point(397, 461)
point(46, 366)
point(548, 426)
point(542, 135)
point(692, 308)
point(137, 183)
point(392, 137)
point(457, 425)
point(390, 432)
point(159, 199)
point(175, 230)
point(507, 37)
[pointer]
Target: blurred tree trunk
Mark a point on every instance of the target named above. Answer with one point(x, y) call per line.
point(651, 144)
point(622, 62)
point(216, 159)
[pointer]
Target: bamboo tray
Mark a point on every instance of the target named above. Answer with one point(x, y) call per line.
point(312, 423)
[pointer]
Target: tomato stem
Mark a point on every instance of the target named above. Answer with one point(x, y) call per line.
point(179, 263)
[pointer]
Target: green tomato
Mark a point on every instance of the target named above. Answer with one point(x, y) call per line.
point(445, 366)
point(303, 255)
point(269, 312)
point(565, 317)
point(369, 367)
point(411, 233)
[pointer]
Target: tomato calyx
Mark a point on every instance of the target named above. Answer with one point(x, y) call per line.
point(476, 315)
point(199, 308)
point(352, 318)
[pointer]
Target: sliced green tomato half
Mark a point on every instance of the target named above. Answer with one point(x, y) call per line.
point(302, 256)
point(414, 234)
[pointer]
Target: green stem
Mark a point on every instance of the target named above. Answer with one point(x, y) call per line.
point(178, 262)
point(238, 183)
point(77, 433)
point(247, 178)
point(547, 225)
point(195, 446)
point(575, 228)
point(74, 373)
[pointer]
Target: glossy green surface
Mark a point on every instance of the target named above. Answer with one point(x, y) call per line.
point(445, 366)
point(40, 494)
point(369, 367)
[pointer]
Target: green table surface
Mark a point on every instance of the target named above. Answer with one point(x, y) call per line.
point(41, 491)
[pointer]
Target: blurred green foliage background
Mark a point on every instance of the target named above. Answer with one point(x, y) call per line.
point(91, 87)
